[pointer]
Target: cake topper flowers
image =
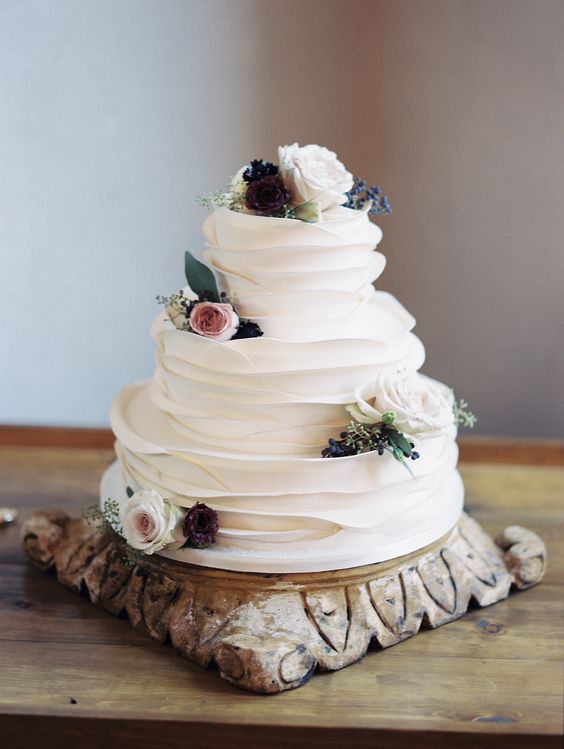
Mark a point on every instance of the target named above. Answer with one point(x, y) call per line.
point(211, 314)
point(307, 181)
point(395, 410)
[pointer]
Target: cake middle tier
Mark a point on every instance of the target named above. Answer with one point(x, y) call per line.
point(270, 396)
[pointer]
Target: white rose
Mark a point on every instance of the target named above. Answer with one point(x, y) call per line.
point(420, 404)
point(314, 174)
point(150, 523)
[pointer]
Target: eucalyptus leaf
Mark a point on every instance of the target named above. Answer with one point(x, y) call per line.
point(200, 278)
point(398, 440)
point(398, 454)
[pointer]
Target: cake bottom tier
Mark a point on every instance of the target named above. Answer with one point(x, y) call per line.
point(400, 533)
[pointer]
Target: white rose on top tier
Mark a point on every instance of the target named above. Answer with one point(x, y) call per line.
point(420, 404)
point(151, 524)
point(314, 173)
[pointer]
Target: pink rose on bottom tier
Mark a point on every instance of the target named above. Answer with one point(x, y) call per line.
point(215, 320)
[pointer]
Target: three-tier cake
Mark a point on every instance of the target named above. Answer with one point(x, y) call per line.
point(291, 351)
point(285, 491)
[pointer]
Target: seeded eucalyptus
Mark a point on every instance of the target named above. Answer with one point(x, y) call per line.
point(363, 438)
point(107, 515)
point(107, 518)
point(462, 416)
point(231, 198)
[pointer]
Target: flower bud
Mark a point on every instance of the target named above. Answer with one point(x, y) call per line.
point(308, 212)
point(388, 417)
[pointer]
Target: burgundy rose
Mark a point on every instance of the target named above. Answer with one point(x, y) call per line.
point(216, 320)
point(267, 195)
point(200, 525)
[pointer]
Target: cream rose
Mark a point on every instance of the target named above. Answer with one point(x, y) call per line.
point(419, 403)
point(150, 523)
point(215, 320)
point(238, 186)
point(314, 174)
point(176, 310)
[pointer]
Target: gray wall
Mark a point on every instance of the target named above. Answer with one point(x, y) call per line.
point(115, 114)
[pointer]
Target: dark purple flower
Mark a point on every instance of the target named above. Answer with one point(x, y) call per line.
point(200, 525)
point(268, 195)
point(248, 329)
point(258, 169)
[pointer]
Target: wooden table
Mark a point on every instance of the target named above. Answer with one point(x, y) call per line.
point(72, 673)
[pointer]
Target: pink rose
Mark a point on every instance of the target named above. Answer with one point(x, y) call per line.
point(214, 320)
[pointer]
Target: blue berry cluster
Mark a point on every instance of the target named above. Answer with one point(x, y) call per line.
point(360, 195)
point(248, 329)
point(338, 449)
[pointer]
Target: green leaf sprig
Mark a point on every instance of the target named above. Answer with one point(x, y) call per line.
point(200, 278)
point(462, 416)
point(107, 519)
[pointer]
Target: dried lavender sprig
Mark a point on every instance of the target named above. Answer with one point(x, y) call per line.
point(360, 195)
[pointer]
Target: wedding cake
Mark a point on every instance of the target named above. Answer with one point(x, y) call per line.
point(286, 428)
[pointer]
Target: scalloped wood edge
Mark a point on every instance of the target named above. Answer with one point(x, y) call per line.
point(269, 633)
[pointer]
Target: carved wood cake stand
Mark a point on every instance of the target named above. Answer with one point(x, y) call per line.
point(270, 632)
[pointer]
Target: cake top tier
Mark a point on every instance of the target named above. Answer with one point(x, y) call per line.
point(286, 243)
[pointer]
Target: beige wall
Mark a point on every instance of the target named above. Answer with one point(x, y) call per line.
point(116, 113)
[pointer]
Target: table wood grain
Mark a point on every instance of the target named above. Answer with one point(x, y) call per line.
point(72, 673)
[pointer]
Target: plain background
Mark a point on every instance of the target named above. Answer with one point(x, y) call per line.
point(115, 114)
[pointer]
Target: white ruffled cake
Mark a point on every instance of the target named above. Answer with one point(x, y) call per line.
point(239, 425)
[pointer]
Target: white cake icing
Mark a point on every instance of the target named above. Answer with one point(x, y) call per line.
point(240, 425)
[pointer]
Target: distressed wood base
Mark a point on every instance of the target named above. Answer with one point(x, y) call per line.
point(268, 633)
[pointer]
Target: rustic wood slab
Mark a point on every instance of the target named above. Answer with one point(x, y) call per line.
point(493, 678)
